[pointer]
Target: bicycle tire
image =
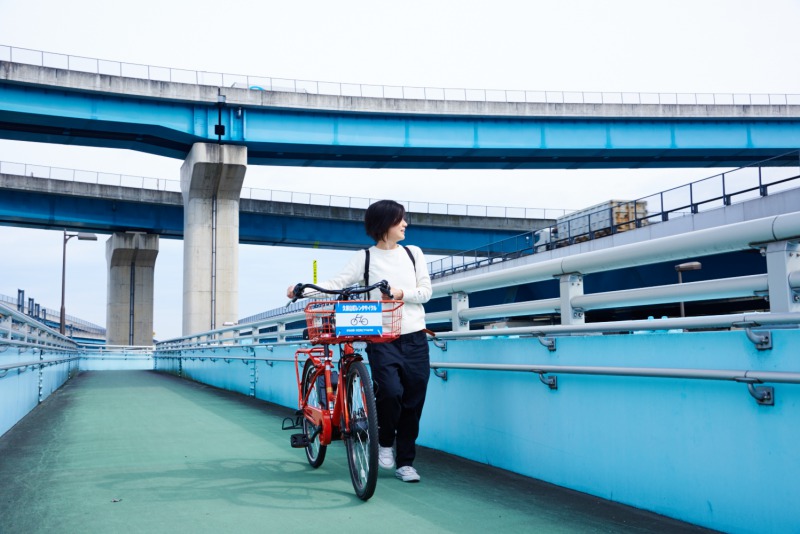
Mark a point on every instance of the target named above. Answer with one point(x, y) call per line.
point(315, 451)
point(362, 440)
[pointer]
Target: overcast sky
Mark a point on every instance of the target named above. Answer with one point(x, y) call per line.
point(688, 46)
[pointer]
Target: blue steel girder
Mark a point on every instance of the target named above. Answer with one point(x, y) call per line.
point(386, 139)
point(36, 209)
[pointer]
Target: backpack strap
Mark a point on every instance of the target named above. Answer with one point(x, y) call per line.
point(366, 263)
point(413, 262)
point(366, 267)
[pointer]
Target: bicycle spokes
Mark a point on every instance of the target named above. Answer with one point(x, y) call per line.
point(362, 438)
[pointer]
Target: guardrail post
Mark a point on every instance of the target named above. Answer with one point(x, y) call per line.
point(783, 257)
point(570, 285)
point(281, 331)
point(460, 301)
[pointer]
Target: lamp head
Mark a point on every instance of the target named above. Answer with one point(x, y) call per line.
point(689, 266)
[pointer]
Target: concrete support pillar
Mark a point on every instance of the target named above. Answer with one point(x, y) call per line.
point(570, 285)
point(783, 258)
point(131, 261)
point(211, 183)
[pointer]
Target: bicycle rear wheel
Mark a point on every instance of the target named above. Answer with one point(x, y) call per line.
point(362, 440)
point(315, 451)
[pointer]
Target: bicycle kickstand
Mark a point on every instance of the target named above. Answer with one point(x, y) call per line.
point(293, 424)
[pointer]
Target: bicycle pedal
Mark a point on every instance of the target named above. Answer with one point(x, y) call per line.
point(299, 441)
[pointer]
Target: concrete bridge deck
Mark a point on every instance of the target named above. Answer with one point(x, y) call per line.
point(138, 451)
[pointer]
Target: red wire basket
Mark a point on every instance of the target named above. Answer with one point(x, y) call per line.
point(321, 321)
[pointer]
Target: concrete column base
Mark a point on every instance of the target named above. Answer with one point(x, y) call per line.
point(131, 261)
point(211, 183)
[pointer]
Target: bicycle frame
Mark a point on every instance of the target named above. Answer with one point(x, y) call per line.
point(336, 413)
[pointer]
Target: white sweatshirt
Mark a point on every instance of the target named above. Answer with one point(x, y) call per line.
point(395, 267)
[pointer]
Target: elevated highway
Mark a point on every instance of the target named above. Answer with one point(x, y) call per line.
point(301, 128)
point(47, 203)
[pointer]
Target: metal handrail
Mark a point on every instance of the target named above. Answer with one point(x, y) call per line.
point(736, 320)
point(733, 375)
point(730, 238)
point(36, 363)
point(646, 210)
point(716, 240)
point(266, 83)
point(72, 322)
point(273, 195)
point(215, 340)
point(19, 330)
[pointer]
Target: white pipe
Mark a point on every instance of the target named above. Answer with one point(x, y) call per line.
point(729, 238)
point(742, 320)
point(794, 280)
point(512, 310)
point(707, 290)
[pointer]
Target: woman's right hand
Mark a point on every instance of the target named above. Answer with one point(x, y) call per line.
point(290, 291)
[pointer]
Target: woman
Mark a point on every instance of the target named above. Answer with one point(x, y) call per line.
point(400, 369)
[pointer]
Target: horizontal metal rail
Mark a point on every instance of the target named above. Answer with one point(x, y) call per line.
point(730, 238)
point(19, 330)
point(745, 376)
point(72, 322)
point(266, 83)
point(731, 321)
point(708, 193)
point(737, 320)
point(4, 368)
point(716, 240)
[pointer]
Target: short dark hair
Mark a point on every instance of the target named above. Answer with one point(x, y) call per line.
point(381, 216)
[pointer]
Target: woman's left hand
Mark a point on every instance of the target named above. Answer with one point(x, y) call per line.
point(397, 293)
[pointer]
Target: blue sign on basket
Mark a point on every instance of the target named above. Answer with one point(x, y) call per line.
point(358, 318)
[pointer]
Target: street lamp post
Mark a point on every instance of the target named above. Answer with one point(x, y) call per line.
point(689, 266)
point(82, 236)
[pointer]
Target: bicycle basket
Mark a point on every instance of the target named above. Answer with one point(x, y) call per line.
point(359, 320)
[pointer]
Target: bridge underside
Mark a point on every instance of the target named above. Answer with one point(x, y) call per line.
point(287, 227)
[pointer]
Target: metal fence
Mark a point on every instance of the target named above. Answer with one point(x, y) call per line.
point(720, 190)
point(268, 83)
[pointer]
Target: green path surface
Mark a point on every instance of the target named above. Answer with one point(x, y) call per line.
point(138, 451)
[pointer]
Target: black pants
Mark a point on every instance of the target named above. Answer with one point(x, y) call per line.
point(400, 372)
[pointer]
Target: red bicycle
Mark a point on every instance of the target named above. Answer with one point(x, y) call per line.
point(329, 410)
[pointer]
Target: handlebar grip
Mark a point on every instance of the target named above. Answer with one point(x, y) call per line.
point(298, 292)
point(383, 285)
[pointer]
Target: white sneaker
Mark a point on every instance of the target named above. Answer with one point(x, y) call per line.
point(386, 457)
point(407, 474)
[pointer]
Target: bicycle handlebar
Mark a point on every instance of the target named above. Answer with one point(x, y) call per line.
point(346, 293)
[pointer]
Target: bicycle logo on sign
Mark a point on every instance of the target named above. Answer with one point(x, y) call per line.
point(359, 320)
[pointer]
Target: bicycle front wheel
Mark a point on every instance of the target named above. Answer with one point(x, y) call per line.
point(362, 440)
point(315, 393)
